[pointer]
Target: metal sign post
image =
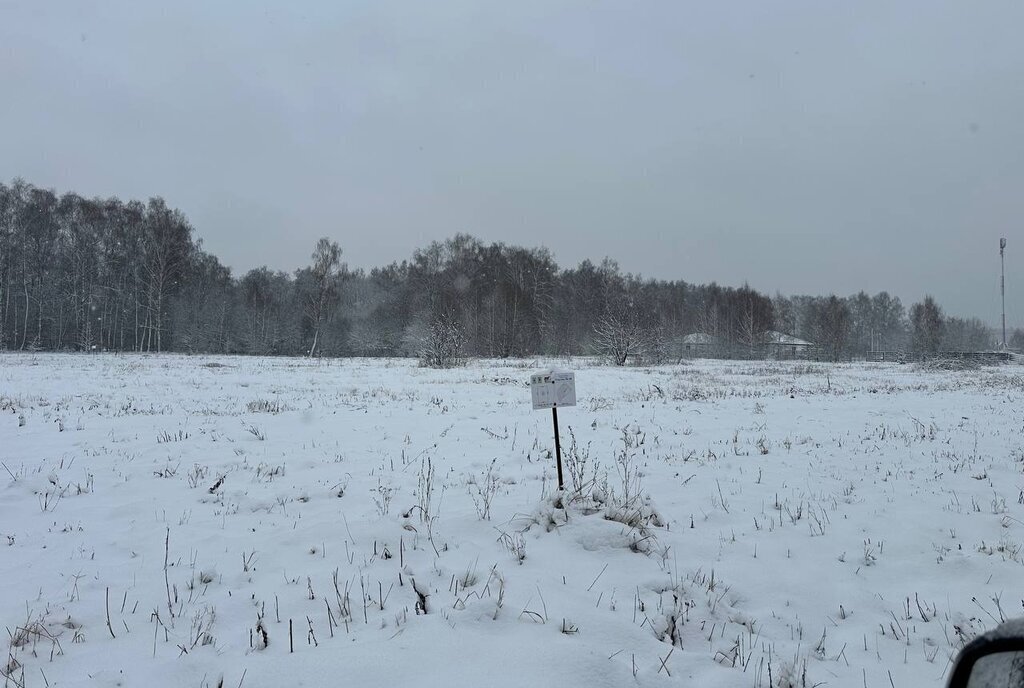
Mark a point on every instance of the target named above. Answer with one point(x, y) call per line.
point(558, 446)
point(550, 390)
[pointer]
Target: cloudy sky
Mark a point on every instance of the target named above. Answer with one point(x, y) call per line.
point(806, 146)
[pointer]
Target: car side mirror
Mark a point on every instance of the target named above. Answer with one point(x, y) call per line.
point(993, 660)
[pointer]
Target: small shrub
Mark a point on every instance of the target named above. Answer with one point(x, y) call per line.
point(442, 346)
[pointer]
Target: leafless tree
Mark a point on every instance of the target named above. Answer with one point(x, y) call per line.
point(831, 320)
point(323, 297)
point(967, 334)
point(710, 324)
point(751, 334)
point(927, 323)
point(617, 337)
point(166, 247)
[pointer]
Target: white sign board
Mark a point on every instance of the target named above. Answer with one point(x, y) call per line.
point(553, 388)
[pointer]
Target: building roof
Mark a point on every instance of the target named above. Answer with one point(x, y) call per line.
point(698, 338)
point(782, 339)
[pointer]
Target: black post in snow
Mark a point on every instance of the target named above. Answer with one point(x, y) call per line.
point(558, 447)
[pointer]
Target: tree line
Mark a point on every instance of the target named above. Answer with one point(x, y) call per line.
point(104, 274)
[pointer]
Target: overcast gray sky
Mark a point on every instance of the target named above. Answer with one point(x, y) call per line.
point(806, 147)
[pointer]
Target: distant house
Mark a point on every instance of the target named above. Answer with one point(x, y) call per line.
point(699, 345)
point(781, 345)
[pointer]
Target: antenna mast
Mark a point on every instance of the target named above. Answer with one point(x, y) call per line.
point(1002, 284)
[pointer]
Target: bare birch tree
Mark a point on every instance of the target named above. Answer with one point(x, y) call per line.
point(323, 297)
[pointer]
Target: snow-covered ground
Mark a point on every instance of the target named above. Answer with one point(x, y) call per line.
point(171, 520)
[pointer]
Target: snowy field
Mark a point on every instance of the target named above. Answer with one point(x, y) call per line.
point(188, 521)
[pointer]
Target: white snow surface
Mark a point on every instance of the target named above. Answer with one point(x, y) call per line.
point(737, 524)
